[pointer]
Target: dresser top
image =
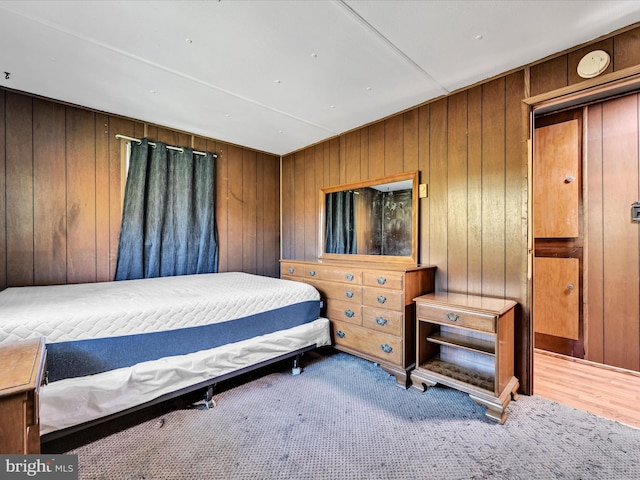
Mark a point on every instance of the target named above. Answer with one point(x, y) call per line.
point(363, 265)
point(471, 302)
point(21, 362)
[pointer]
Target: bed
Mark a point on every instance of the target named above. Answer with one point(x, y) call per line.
point(113, 347)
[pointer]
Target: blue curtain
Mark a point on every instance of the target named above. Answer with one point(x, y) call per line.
point(340, 225)
point(168, 221)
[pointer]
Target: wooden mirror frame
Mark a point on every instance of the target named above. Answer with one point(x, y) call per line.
point(355, 257)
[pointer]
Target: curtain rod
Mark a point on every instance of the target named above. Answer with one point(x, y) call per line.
point(179, 149)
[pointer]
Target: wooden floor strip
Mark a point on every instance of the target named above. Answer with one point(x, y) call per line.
point(602, 390)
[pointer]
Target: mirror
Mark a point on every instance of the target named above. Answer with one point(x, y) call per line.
point(372, 220)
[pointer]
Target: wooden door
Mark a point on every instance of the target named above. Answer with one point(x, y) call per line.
point(555, 189)
point(612, 260)
point(558, 319)
point(556, 296)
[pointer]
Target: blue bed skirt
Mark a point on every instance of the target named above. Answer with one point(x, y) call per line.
point(86, 357)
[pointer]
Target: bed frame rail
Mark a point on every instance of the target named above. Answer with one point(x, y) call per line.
point(207, 386)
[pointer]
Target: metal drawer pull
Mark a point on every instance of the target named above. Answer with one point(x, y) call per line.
point(382, 299)
point(340, 334)
point(291, 269)
point(349, 277)
point(452, 317)
point(386, 348)
point(382, 280)
point(570, 287)
point(569, 179)
point(349, 313)
point(312, 273)
point(381, 321)
point(349, 294)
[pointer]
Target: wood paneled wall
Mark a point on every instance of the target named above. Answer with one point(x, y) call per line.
point(61, 194)
point(471, 149)
point(475, 183)
point(561, 70)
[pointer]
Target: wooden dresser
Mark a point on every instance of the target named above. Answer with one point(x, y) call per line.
point(23, 371)
point(370, 307)
point(466, 342)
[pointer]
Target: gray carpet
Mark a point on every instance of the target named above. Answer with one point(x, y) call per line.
point(344, 418)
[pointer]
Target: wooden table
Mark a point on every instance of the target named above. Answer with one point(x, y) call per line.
point(22, 371)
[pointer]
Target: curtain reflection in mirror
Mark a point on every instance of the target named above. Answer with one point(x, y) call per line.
point(340, 229)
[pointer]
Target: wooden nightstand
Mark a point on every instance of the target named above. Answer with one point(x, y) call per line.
point(466, 342)
point(23, 371)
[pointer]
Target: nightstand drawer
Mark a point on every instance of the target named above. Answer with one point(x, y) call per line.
point(459, 318)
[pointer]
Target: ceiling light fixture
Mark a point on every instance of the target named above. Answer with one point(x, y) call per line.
point(479, 37)
point(593, 64)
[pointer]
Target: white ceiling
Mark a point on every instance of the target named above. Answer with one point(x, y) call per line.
point(277, 76)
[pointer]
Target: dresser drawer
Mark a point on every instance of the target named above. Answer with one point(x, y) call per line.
point(382, 279)
point(292, 270)
point(382, 298)
point(339, 291)
point(370, 342)
point(333, 274)
point(346, 311)
point(383, 320)
point(460, 318)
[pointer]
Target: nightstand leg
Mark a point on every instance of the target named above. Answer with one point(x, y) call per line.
point(495, 409)
point(420, 383)
point(496, 406)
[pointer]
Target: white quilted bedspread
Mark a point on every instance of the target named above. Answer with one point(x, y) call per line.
point(94, 310)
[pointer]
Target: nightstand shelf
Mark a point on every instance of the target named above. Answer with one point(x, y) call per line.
point(448, 371)
point(461, 341)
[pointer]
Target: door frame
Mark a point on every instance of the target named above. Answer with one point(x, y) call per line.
point(589, 91)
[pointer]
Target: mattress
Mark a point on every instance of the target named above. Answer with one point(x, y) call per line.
point(95, 327)
point(73, 401)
